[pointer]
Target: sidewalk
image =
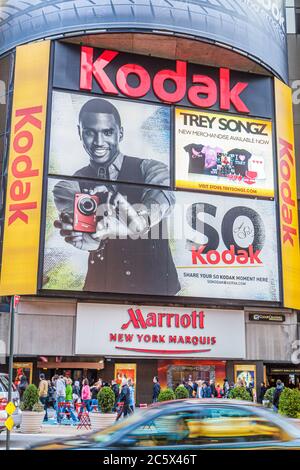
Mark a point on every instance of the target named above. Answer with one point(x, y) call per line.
point(51, 428)
point(59, 430)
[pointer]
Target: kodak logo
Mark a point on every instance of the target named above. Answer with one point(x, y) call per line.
point(203, 92)
point(22, 166)
point(288, 203)
point(227, 256)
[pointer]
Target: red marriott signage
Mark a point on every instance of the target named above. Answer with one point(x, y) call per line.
point(153, 319)
point(204, 92)
point(159, 331)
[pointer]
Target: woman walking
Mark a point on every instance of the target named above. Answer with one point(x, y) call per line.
point(86, 394)
point(69, 400)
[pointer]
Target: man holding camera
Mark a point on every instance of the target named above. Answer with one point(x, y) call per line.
point(123, 255)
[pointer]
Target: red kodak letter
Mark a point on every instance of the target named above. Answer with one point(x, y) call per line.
point(196, 255)
point(286, 150)
point(28, 117)
point(144, 77)
point(208, 87)
point(178, 76)
point(18, 211)
point(288, 233)
point(88, 69)
point(231, 95)
point(254, 255)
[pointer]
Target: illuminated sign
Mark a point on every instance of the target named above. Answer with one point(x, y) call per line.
point(115, 73)
point(289, 228)
point(20, 256)
point(159, 331)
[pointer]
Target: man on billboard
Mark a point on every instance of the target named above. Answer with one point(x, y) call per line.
point(114, 221)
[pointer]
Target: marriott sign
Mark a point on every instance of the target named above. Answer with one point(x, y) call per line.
point(159, 331)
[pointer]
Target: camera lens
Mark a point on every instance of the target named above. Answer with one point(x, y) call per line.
point(87, 205)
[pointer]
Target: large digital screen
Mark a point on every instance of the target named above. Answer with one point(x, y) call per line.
point(195, 246)
point(221, 152)
point(88, 132)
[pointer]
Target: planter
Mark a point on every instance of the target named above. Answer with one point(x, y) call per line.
point(101, 421)
point(32, 421)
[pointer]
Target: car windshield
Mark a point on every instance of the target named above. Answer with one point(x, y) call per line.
point(106, 434)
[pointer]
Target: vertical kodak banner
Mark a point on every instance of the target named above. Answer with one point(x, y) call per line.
point(286, 161)
point(20, 255)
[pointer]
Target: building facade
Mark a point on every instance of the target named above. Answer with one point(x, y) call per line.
point(149, 211)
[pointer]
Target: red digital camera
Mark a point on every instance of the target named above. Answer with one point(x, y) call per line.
point(85, 208)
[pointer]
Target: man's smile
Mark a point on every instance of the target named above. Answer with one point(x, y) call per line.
point(100, 151)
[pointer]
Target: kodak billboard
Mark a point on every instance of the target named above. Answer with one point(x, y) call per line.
point(289, 228)
point(20, 256)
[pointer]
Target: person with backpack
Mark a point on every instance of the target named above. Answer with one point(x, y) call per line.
point(156, 389)
point(276, 396)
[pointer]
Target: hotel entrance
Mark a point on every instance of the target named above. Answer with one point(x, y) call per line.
point(172, 373)
point(178, 374)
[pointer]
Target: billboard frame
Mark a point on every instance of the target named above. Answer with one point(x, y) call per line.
point(138, 297)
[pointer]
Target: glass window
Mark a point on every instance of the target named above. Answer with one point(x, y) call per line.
point(290, 21)
point(165, 430)
point(298, 20)
point(5, 81)
point(231, 424)
point(2, 155)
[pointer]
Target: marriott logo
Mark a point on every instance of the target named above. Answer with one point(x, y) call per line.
point(164, 320)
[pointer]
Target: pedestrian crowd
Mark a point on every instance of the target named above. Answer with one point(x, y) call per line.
point(209, 389)
point(70, 399)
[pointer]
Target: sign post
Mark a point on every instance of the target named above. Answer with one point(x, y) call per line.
point(13, 303)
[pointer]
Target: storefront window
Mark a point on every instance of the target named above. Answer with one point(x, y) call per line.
point(22, 368)
point(177, 374)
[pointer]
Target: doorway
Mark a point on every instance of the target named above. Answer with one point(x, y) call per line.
point(177, 374)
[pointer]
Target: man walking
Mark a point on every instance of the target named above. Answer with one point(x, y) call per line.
point(277, 393)
point(125, 399)
point(43, 394)
point(156, 389)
